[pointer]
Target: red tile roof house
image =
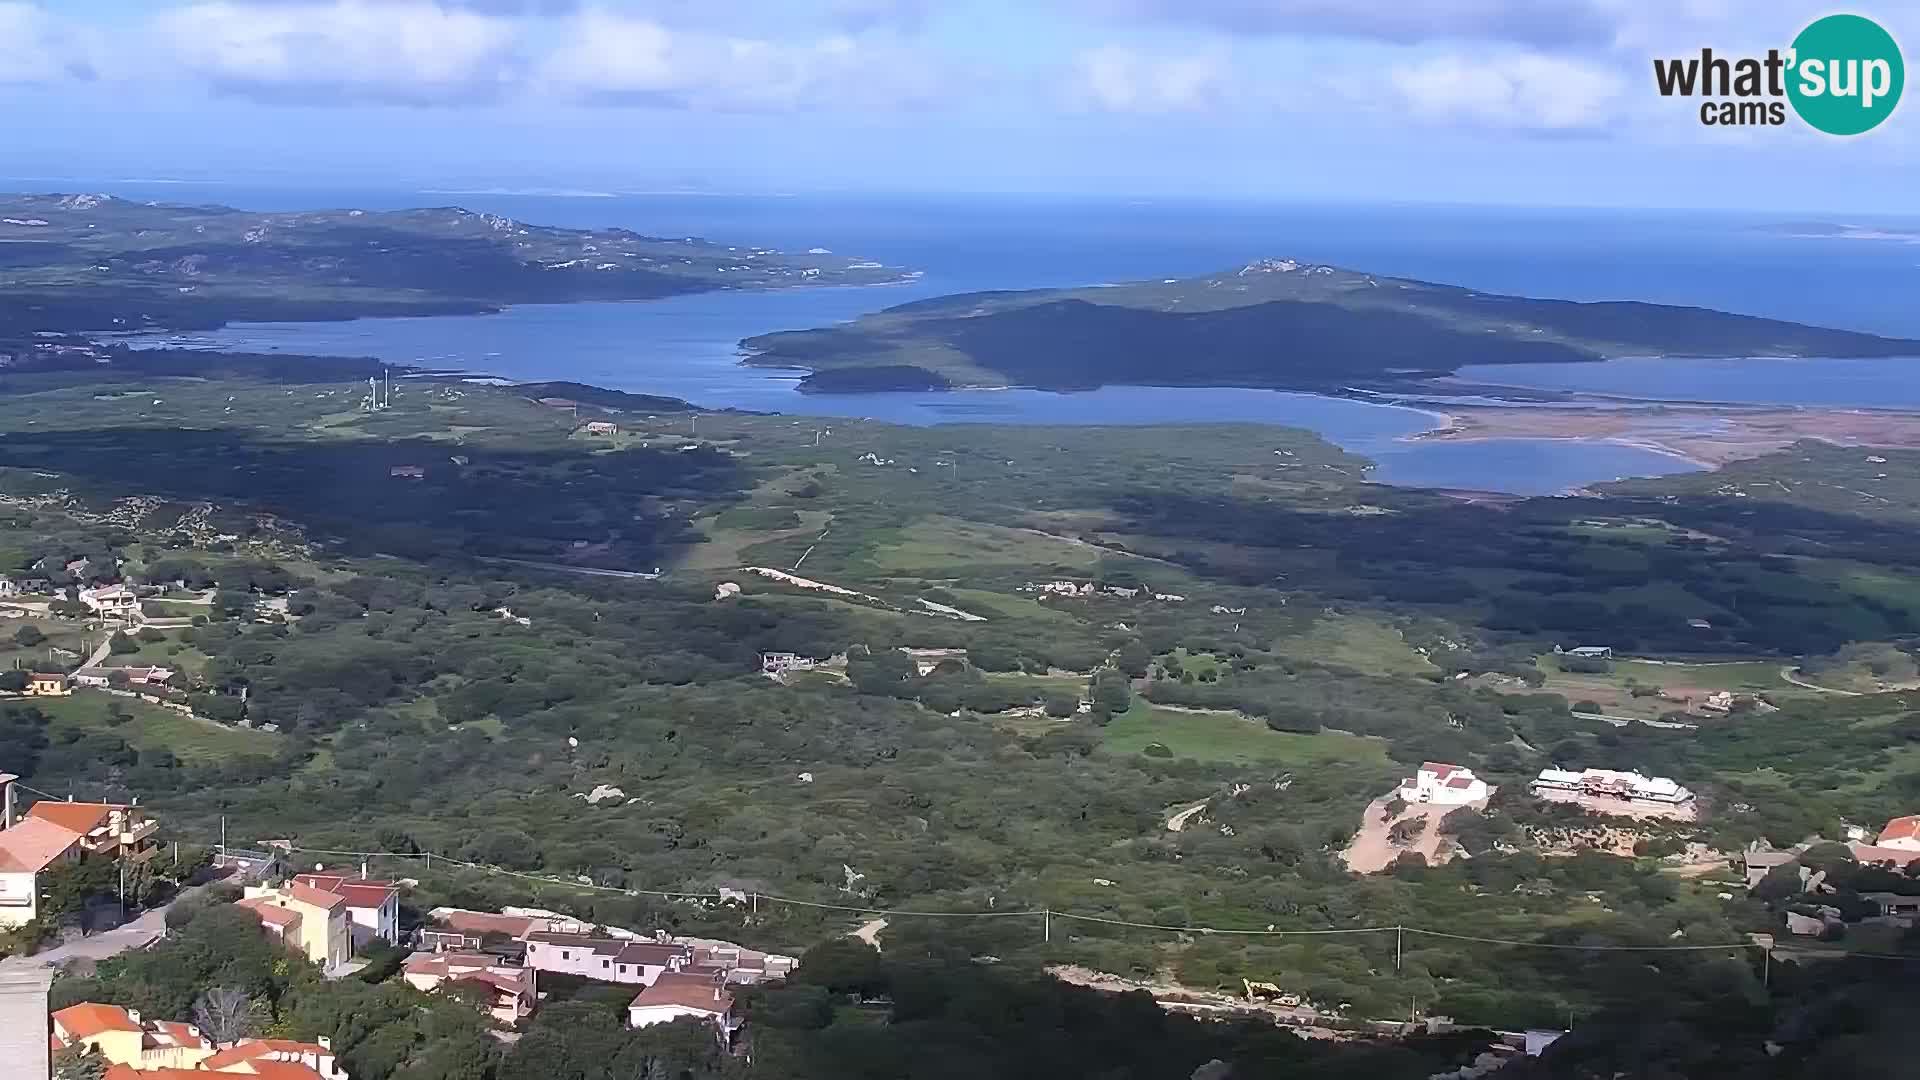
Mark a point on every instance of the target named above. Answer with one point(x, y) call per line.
point(275, 1059)
point(120, 831)
point(26, 850)
point(605, 959)
point(675, 995)
point(1901, 834)
point(373, 907)
point(514, 987)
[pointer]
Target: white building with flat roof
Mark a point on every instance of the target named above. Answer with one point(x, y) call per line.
point(1601, 787)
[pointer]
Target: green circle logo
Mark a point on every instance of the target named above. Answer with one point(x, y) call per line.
point(1847, 75)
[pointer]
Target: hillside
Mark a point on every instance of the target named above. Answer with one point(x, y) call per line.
point(93, 262)
point(1276, 323)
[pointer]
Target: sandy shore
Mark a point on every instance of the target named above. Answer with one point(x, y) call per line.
point(1705, 435)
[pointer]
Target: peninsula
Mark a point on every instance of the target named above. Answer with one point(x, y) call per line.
point(1274, 323)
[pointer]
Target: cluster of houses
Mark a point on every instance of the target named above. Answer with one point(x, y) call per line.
point(328, 918)
point(1603, 790)
point(677, 977)
point(1084, 589)
point(134, 1048)
point(1896, 848)
point(51, 834)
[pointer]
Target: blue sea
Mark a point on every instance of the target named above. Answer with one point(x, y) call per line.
point(687, 346)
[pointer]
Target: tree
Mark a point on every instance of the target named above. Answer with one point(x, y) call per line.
point(228, 1015)
point(78, 1063)
point(1404, 833)
point(28, 636)
point(121, 644)
point(1061, 706)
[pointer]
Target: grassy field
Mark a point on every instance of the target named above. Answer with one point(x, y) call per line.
point(59, 634)
point(1226, 737)
point(1612, 691)
point(944, 543)
point(153, 727)
point(1356, 641)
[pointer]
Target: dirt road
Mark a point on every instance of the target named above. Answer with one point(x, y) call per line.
point(1372, 850)
point(1178, 819)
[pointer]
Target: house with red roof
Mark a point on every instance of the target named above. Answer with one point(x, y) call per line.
point(373, 907)
point(121, 1037)
point(115, 830)
point(309, 921)
point(274, 1059)
point(1443, 784)
point(675, 995)
point(1901, 834)
point(513, 986)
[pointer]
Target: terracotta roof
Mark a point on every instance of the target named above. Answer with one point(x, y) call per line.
point(358, 892)
point(270, 913)
point(252, 1050)
point(483, 922)
point(319, 898)
point(29, 846)
point(128, 1072)
point(87, 1019)
point(1901, 828)
point(687, 992)
point(271, 1070)
point(1868, 853)
point(174, 1033)
point(1460, 782)
point(1439, 768)
point(78, 817)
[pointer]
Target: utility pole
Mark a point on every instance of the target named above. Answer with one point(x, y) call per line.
point(223, 839)
point(1396, 947)
point(1046, 925)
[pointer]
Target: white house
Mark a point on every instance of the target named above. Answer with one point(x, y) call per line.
point(675, 995)
point(776, 664)
point(112, 602)
point(605, 959)
point(1901, 834)
point(26, 849)
point(1443, 784)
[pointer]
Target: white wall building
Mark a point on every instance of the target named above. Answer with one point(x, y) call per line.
point(1443, 784)
point(606, 959)
point(1628, 787)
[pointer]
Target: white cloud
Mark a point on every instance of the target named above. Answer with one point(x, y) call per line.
point(351, 50)
point(1118, 79)
point(34, 48)
point(614, 59)
point(1526, 91)
point(1535, 22)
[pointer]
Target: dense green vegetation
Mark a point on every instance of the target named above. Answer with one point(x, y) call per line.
point(1316, 623)
point(92, 262)
point(1273, 323)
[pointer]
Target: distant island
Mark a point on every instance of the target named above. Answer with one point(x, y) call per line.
point(90, 263)
point(1273, 323)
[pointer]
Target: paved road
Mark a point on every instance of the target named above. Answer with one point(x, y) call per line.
point(136, 934)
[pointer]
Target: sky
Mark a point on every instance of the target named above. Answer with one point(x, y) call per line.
point(1513, 102)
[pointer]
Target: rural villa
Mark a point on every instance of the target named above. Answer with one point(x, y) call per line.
point(1443, 784)
point(1608, 791)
